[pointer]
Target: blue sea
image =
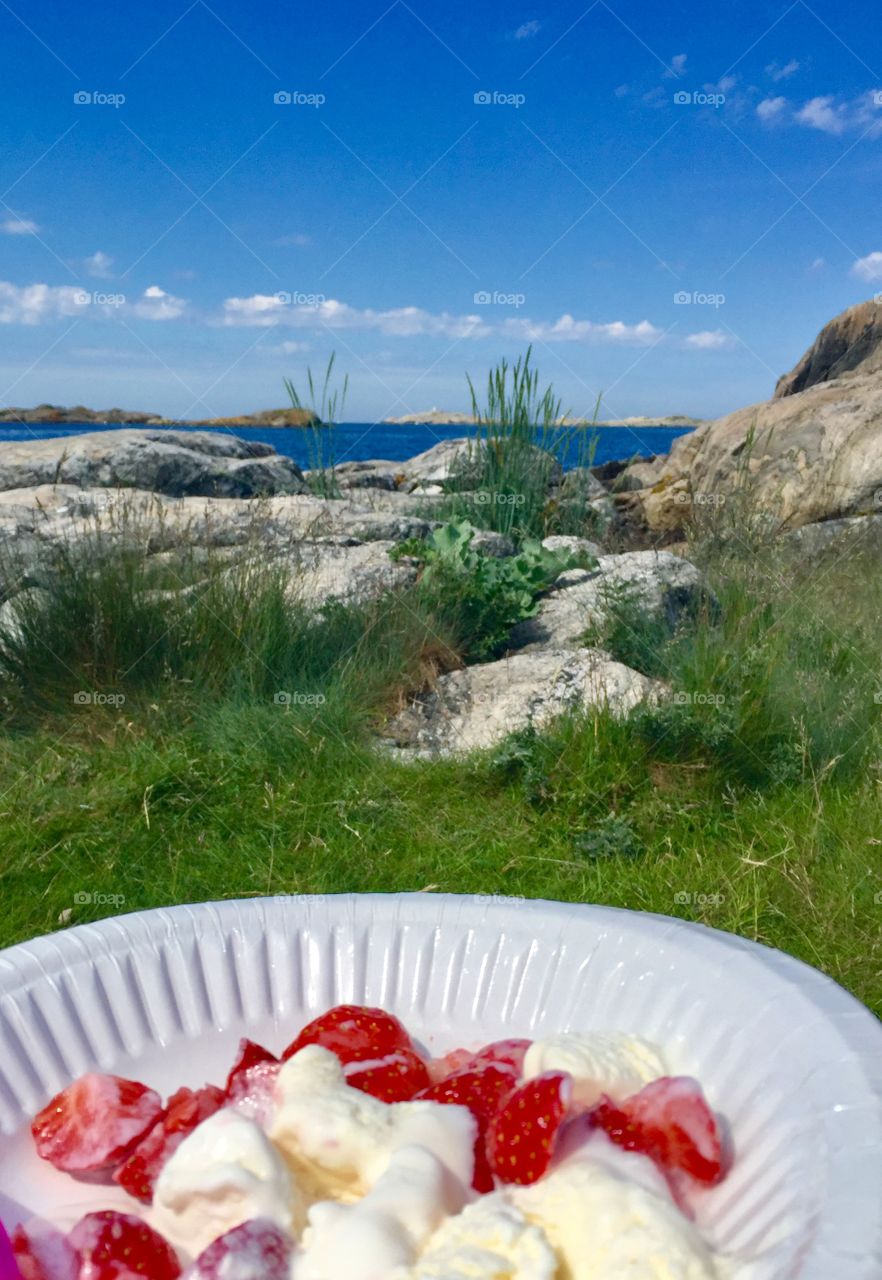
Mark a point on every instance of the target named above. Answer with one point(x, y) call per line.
point(358, 441)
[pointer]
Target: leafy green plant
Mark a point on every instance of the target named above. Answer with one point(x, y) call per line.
point(492, 593)
point(325, 406)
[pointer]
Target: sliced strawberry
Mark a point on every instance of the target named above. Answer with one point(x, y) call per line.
point(353, 1032)
point(520, 1138)
point(92, 1124)
point(118, 1246)
point(42, 1253)
point(249, 1055)
point(184, 1111)
point(393, 1078)
point(670, 1121)
point(502, 1053)
point(252, 1091)
point(256, 1250)
point(454, 1061)
point(483, 1092)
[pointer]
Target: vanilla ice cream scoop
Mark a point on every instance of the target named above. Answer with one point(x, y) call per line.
point(604, 1225)
point(387, 1228)
point(490, 1240)
point(339, 1140)
point(600, 1062)
point(223, 1174)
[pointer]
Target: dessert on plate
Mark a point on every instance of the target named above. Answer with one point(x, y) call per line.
point(353, 1155)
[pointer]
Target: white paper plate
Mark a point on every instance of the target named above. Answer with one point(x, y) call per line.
point(789, 1057)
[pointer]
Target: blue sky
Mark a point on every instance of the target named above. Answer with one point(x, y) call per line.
point(438, 186)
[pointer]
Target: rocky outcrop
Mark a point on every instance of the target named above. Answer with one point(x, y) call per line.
point(851, 343)
point(807, 455)
point(434, 417)
point(170, 462)
point(58, 415)
point(349, 573)
point(479, 706)
point(657, 583)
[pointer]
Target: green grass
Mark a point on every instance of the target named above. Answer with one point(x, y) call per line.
point(751, 802)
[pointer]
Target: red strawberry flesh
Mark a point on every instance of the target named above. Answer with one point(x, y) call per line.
point(483, 1092)
point(670, 1121)
point(184, 1111)
point(256, 1250)
point(249, 1055)
point(92, 1124)
point(118, 1246)
point(353, 1032)
point(521, 1136)
point(393, 1078)
point(42, 1253)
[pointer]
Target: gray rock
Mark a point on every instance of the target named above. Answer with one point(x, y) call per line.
point(656, 581)
point(479, 706)
point(373, 474)
point(177, 463)
point(352, 574)
point(461, 459)
point(571, 545)
point(11, 620)
point(490, 543)
point(853, 532)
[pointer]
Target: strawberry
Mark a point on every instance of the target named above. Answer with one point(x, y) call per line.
point(393, 1078)
point(670, 1121)
point(252, 1091)
point(118, 1246)
point(249, 1055)
point(483, 1092)
point(183, 1112)
point(43, 1254)
point(502, 1053)
point(92, 1124)
point(256, 1250)
point(353, 1032)
point(520, 1137)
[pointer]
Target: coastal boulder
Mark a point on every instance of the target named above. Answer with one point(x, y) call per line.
point(479, 706)
point(177, 463)
point(657, 583)
point(812, 453)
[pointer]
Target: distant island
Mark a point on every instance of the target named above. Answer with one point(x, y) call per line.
point(437, 417)
point(58, 415)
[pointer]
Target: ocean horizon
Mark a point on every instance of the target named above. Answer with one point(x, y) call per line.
point(360, 441)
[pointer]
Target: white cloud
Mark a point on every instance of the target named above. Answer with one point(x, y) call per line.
point(290, 348)
point(270, 309)
point(868, 268)
point(19, 227)
point(677, 67)
point(783, 73)
point(622, 90)
point(99, 265)
point(156, 304)
point(568, 329)
point(34, 303)
point(820, 113)
point(261, 309)
point(817, 264)
point(528, 29)
point(770, 108)
point(708, 340)
point(727, 83)
point(297, 240)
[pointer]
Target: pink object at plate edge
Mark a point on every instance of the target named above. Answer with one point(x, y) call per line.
point(8, 1266)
